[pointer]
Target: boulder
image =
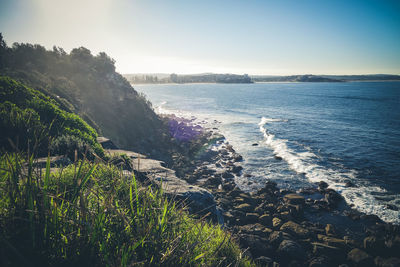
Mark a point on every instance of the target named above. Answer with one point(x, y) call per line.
point(258, 246)
point(294, 199)
point(360, 258)
point(237, 169)
point(333, 253)
point(333, 198)
point(276, 237)
point(227, 175)
point(276, 222)
point(322, 185)
point(290, 249)
point(237, 157)
point(295, 229)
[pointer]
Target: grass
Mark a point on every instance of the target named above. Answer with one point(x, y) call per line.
point(91, 214)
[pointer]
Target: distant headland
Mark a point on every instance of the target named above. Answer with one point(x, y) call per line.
point(163, 78)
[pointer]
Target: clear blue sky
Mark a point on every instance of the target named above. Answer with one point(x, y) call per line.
point(185, 36)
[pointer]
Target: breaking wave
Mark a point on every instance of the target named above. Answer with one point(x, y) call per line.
point(362, 197)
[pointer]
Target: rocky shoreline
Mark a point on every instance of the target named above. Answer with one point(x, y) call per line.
point(279, 227)
point(275, 227)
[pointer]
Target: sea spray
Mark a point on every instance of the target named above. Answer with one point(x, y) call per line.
point(304, 163)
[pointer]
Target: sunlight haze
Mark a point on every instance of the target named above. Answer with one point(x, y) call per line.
point(255, 37)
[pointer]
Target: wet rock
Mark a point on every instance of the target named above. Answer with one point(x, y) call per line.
point(289, 249)
point(392, 207)
point(213, 180)
point(322, 185)
point(277, 157)
point(349, 184)
point(309, 191)
point(237, 158)
point(333, 198)
point(295, 229)
point(285, 215)
point(237, 169)
point(276, 222)
point(227, 175)
point(294, 199)
point(359, 258)
point(270, 187)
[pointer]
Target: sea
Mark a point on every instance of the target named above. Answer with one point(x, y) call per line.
point(298, 134)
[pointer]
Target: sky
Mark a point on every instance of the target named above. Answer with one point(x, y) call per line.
point(271, 37)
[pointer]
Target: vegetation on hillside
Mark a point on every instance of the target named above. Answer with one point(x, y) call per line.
point(91, 214)
point(88, 85)
point(30, 118)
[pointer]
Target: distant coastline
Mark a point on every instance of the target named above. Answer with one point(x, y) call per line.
point(211, 78)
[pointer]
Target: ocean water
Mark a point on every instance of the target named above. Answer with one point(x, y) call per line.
point(305, 133)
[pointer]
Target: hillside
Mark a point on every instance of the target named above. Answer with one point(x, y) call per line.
point(88, 85)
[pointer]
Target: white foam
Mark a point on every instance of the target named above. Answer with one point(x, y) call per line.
point(362, 196)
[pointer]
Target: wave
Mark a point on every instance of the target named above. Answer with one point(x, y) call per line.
point(361, 197)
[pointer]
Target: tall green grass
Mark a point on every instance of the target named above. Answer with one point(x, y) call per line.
point(91, 214)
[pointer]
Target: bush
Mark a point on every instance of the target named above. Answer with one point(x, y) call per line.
point(41, 113)
point(69, 145)
point(92, 215)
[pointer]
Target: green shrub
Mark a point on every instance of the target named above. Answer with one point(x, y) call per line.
point(93, 215)
point(69, 145)
point(42, 113)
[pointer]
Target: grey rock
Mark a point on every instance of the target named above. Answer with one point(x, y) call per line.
point(291, 249)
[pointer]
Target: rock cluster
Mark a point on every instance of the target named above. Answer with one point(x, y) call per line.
point(273, 227)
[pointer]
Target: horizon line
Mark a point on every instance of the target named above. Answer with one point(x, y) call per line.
point(273, 75)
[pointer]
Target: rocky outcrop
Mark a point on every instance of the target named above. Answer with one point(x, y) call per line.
point(197, 199)
point(272, 225)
